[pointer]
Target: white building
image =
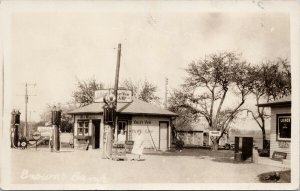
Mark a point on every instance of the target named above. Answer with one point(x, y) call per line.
point(152, 120)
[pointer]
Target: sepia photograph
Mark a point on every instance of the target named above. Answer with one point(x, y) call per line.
point(149, 95)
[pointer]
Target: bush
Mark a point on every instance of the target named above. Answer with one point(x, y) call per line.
point(179, 144)
point(264, 152)
point(276, 177)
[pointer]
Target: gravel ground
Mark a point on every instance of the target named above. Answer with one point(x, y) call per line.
point(87, 167)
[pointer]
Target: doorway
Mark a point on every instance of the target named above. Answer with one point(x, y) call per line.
point(96, 134)
point(163, 135)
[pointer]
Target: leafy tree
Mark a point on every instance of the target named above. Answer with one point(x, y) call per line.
point(85, 91)
point(144, 91)
point(186, 113)
point(209, 84)
point(272, 80)
point(66, 119)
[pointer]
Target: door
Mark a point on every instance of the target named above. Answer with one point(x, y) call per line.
point(247, 147)
point(96, 134)
point(163, 135)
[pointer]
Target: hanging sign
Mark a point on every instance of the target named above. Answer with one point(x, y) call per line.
point(124, 96)
point(215, 133)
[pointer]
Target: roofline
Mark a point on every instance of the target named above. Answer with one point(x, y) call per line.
point(88, 112)
point(283, 103)
point(130, 113)
point(152, 114)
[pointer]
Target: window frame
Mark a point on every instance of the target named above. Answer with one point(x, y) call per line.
point(279, 116)
point(85, 129)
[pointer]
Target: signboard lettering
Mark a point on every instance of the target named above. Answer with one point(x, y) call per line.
point(284, 127)
point(284, 144)
point(142, 122)
point(124, 96)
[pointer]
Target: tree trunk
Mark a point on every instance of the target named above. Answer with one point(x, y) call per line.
point(215, 144)
point(264, 138)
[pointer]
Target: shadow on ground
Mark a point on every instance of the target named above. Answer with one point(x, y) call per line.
point(223, 156)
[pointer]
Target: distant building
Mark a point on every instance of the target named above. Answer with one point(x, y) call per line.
point(152, 120)
point(198, 135)
point(280, 135)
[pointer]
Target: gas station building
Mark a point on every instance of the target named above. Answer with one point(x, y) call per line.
point(281, 128)
point(152, 120)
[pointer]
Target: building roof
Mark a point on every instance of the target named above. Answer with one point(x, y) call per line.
point(285, 101)
point(135, 107)
point(94, 108)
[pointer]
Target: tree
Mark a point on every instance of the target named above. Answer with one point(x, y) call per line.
point(272, 80)
point(85, 91)
point(66, 119)
point(187, 114)
point(209, 82)
point(144, 91)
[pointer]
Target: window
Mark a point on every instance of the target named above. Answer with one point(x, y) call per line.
point(83, 128)
point(122, 125)
point(284, 127)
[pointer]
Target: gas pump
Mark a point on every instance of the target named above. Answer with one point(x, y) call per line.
point(15, 122)
point(56, 120)
point(109, 114)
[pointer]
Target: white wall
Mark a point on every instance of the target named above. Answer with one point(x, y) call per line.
point(150, 129)
point(146, 124)
point(90, 118)
point(275, 144)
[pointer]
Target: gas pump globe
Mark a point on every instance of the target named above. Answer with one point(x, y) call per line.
point(109, 110)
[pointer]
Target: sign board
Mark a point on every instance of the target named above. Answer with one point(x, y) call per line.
point(279, 155)
point(100, 94)
point(124, 96)
point(215, 133)
point(45, 131)
point(36, 135)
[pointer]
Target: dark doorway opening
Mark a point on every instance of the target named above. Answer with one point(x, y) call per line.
point(96, 134)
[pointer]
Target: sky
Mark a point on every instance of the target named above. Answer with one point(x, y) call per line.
point(54, 49)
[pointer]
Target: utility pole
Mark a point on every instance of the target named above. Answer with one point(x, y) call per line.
point(166, 93)
point(114, 125)
point(25, 133)
point(110, 124)
point(30, 118)
point(117, 73)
